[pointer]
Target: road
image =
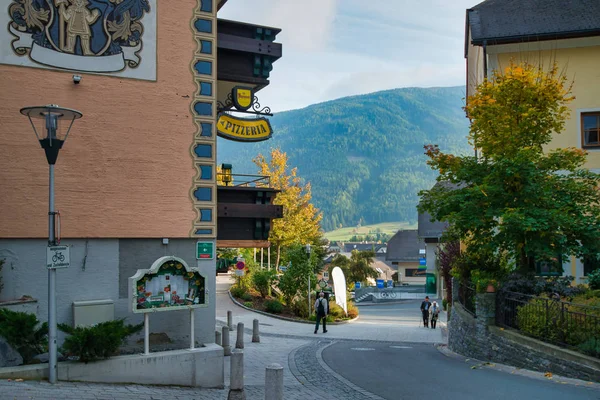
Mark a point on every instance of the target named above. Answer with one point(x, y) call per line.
point(420, 371)
point(405, 314)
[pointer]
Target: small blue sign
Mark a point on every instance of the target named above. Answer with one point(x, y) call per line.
point(380, 283)
point(357, 285)
point(422, 261)
point(390, 283)
point(282, 268)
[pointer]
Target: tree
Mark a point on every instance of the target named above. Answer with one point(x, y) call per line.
point(357, 268)
point(300, 222)
point(295, 278)
point(517, 198)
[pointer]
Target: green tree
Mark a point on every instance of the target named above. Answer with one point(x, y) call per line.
point(294, 281)
point(357, 268)
point(300, 222)
point(518, 198)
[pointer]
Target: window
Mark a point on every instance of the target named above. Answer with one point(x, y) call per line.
point(590, 129)
point(590, 264)
point(552, 267)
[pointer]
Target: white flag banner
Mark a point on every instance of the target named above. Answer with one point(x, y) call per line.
point(339, 288)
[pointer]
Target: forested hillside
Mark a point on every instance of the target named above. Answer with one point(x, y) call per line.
point(363, 155)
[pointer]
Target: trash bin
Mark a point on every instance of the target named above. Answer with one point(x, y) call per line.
point(430, 283)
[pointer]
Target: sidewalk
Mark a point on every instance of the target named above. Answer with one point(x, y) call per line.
point(402, 328)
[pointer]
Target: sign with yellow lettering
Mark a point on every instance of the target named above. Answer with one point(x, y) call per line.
point(243, 130)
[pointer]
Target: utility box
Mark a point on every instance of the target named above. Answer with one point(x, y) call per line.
point(91, 312)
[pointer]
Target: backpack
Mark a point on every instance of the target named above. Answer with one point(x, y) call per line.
point(321, 307)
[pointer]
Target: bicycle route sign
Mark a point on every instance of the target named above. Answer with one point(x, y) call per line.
point(58, 257)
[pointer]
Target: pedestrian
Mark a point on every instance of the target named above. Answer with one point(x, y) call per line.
point(425, 311)
point(434, 312)
point(322, 309)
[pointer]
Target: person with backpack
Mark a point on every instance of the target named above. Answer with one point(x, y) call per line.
point(434, 312)
point(322, 309)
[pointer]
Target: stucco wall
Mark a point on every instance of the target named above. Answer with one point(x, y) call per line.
point(126, 168)
point(101, 272)
point(579, 64)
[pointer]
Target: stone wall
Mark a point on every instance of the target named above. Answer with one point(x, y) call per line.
point(477, 337)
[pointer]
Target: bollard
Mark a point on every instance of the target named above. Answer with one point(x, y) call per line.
point(274, 382)
point(225, 339)
point(218, 338)
point(230, 320)
point(239, 343)
point(236, 383)
point(255, 334)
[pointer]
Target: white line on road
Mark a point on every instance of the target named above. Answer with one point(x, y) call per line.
point(400, 347)
point(362, 349)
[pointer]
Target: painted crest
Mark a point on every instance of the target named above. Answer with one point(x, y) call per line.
point(242, 97)
point(102, 36)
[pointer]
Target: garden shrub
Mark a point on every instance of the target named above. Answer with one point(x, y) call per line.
point(352, 314)
point(99, 341)
point(1, 283)
point(22, 332)
point(445, 304)
point(249, 304)
point(274, 306)
point(313, 318)
point(262, 281)
point(247, 297)
point(530, 284)
point(590, 347)
point(336, 311)
point(300, 307)
point(593, 279)
point(237, 291)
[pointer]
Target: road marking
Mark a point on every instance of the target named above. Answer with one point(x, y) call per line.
point(400, 347)
point(362, 349)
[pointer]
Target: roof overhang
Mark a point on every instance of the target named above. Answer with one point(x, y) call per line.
point(535, 38)
point(245, 55)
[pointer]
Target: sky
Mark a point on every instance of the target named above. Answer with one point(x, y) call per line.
point(337, 48)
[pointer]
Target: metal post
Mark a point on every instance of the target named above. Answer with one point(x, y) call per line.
point(146, 334)
point(192, 333)
point(255, 333)
point(269, 258)
point(309, 294)
point(52, 345)
point(261, 258)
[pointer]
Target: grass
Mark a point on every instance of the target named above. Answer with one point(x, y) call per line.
point(390, 228)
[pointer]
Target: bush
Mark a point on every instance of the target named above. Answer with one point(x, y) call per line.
point(237, 291)
point(274, 306)
point(300, 307)
point(22, 332)
point(590, 347)
point(249, 304)
point(530, 284)
point(313, 318)
point(445, 304)
point(99, 341)
point(262, 281)
point(352, 314)
point(593, 280)
point(336, 311)
point(247, 297)
point(1, 266)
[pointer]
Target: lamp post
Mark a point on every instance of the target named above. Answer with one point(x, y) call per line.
point(309, 272)
point(226, 174)
point(51, 117)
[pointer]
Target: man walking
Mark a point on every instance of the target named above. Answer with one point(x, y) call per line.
point(322, 308)
point(425, 311)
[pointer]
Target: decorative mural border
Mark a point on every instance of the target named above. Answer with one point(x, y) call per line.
point(203, 107)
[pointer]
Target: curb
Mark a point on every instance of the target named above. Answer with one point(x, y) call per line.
point(443, 349)
point(284, 318)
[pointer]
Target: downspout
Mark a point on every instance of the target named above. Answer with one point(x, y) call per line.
point(485, 62)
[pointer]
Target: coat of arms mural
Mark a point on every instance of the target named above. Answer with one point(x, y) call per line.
point(116, 37)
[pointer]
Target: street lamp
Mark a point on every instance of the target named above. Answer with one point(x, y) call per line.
point(51, 116)
point(226, 174)
point(308, 252)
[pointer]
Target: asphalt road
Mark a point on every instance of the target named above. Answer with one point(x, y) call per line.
point(404, 313)
point(420, 371)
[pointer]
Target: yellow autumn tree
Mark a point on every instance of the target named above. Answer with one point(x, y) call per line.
point(301, 219)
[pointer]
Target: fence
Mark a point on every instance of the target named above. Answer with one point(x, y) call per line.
point(466, 297)
point(575, 326)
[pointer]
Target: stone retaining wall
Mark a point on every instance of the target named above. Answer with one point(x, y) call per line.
point(477, 337)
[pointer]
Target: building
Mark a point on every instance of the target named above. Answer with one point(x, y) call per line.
point(136, 179)
point(404, 254)
point(543, 32)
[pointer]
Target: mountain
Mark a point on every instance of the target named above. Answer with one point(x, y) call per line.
point(363, 155)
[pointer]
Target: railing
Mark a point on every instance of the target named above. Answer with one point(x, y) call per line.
point(241, 180)
point(466, 297)
point(575, 326)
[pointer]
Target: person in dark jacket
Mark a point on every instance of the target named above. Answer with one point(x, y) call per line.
point(322, 309)
point(425, 311)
